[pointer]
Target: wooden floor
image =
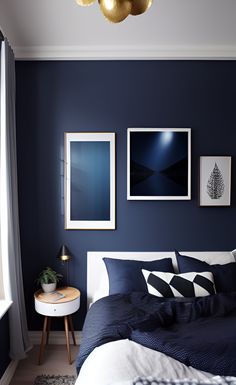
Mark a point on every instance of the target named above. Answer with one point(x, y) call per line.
point(54, 362)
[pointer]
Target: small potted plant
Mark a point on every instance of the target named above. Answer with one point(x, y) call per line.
point(48, 279)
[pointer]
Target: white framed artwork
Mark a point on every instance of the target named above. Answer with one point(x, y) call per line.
point(159, 164)
point(215, 181)
point(89, 181)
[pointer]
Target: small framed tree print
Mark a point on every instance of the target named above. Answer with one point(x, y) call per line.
point(215, 180)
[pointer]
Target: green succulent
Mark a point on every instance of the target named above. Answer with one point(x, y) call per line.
point(48, 276)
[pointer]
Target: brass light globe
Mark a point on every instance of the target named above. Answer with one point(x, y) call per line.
point(140, 6)
point(85, 3)
point(115, 10)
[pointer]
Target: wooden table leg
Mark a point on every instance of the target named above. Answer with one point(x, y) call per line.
point(48, 329)
point(67, 338)
point(72, 329)
point(41, 350)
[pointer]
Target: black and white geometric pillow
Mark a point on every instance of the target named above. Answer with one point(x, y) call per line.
point(179, 285)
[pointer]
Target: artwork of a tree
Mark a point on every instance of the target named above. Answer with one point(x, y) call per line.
point(215, 184)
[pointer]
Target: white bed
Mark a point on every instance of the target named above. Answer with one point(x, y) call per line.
point(120, 362)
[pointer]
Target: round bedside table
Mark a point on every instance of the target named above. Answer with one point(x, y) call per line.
point(48, 305)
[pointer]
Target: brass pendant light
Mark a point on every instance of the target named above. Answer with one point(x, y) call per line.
point(140, 6)
point(117, 10)
point(85, 3)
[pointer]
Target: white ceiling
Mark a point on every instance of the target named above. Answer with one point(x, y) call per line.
point(55, 29)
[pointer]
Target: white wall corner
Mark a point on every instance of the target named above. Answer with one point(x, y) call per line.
point(9, 373)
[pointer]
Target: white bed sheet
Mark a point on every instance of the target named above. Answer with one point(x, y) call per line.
point(121, 362)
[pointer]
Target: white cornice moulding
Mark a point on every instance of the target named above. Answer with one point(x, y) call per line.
point(222, 52)
point(55, 337)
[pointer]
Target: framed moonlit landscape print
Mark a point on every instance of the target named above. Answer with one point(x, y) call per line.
point(159, 164)
point(90, 180)
point(215, 180)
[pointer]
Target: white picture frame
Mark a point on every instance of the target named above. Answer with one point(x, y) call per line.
point(89, 181)
point(167, 134)
point(215, 181)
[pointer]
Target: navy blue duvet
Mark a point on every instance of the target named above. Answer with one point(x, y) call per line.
point(199, 332)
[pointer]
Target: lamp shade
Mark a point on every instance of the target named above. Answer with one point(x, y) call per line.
point(64, 253)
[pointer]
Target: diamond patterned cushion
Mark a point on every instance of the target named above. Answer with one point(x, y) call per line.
point(170, 285)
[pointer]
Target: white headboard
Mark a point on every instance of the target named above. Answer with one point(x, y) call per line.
point(97, 279)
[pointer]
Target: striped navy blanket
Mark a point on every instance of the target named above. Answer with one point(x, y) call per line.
point(199, 332)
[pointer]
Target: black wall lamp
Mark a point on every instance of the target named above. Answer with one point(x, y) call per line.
point(65, 255)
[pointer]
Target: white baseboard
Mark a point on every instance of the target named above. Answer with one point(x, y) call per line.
point(9, 373)
point(55, 337)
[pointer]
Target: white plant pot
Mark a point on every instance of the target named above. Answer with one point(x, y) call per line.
point(49, 287)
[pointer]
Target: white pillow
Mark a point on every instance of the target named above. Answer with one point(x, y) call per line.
point(170, 285)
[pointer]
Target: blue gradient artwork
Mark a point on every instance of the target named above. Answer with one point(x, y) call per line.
point(90, 180)
point(159, 163)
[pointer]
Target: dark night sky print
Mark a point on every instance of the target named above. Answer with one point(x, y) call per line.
point(159, 163)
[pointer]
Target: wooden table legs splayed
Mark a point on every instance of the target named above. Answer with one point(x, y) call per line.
point(45, 336)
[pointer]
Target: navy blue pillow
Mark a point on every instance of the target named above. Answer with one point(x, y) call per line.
point(126, 276)
point(224, 275)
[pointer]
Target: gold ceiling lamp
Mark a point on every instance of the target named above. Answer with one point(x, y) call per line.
point(117, 10)
point(140, 6)
point(85, 3)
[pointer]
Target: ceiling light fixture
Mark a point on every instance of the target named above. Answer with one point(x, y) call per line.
point(117, 10)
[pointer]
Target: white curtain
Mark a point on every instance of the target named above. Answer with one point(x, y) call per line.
point(19, 340)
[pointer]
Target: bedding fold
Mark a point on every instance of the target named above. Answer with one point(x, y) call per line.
point(199, 332)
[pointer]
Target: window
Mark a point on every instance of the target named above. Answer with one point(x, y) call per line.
point(2, 296)
point(5, 292)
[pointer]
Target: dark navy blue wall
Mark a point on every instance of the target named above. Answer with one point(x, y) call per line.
point(54, 97)
point(4, 345)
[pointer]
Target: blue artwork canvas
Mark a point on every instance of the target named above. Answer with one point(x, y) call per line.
point(159, 164)
point(90, 181)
